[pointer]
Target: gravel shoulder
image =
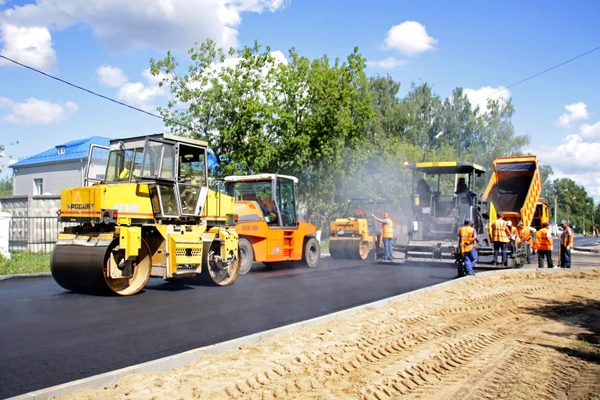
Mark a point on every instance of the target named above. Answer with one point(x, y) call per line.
point(511, 334)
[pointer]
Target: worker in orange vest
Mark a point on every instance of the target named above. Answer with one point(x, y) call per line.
point(543, 244)
point(513, 239)
point(500, 237)
point(566, 245)
point(466, 243)
point(387, 234)
point(525, 236)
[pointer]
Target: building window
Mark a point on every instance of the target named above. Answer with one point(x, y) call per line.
point(38, 186)
point(61, 150)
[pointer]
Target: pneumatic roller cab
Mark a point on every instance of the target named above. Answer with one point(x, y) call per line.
point(145, 211)
point(268, 226)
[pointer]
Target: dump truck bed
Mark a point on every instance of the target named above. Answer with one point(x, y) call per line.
point(514, 188)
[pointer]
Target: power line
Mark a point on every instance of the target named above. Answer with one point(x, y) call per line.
point(92, 92)
point(539, 73)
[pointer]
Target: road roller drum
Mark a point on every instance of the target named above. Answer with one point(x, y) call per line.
point(88, 268)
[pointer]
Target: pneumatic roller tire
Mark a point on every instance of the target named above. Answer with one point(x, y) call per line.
point(311, 253)
point(246, 255)
point(83, 269)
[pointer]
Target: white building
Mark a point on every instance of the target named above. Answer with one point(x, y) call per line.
point(49, 172)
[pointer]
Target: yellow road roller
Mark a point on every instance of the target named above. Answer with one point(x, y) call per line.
point(145, 210)
point(357, 234)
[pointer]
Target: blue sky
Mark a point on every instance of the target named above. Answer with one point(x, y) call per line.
point(477, 45)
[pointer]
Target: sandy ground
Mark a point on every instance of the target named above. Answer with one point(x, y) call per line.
point(516, 335)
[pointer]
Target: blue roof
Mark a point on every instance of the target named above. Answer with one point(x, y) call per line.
point(75, 149)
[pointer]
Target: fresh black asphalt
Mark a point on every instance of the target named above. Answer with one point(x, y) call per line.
point(50, 336)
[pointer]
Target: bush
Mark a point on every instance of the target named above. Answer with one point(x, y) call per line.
point(25, 262)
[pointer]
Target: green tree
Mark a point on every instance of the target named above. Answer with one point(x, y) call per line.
point(224, 104)
point(259, 116)
point(574, 203)
point(6, 186)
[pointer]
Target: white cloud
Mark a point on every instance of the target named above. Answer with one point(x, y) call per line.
point(28, 45)
point(575, 112)
point(140, 95)
point(409, 38)
point(125, 25)
point(479, 97)
point(137, 94)
point(574, 158)
point(111, 76)
point(387, 63)
point(590, 132)
point(145, 94)
point(37, 112)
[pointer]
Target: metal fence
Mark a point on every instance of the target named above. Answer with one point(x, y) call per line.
point(36, 234)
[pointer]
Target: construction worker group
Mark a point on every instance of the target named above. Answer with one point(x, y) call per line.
point(504, 234)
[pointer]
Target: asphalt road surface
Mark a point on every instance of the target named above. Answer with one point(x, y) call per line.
point(49, 336)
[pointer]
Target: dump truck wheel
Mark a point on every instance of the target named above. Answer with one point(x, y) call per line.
point(312, 252)
point(246, 255)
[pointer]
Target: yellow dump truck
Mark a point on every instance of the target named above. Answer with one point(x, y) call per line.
point(514, 189)
point(145, 210)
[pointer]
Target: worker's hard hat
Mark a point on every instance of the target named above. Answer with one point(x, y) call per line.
point(564, 221)
point(509, 223)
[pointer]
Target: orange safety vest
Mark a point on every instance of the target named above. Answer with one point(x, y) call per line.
point(568, 242)
point(467, 238)
point(499, 231)
point(525, 235)
point(387, 229)
point(542, 241)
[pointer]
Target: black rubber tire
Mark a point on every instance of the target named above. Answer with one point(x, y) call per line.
point(246, 255)
point(311, 253)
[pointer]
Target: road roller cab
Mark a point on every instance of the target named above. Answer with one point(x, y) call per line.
point(357, 234)
point(145, 210)
point(268, 225)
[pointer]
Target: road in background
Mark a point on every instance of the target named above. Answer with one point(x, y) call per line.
point(50, 336)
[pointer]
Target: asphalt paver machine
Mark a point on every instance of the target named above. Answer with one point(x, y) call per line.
point(439, 212)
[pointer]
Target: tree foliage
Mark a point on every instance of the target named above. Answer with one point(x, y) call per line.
point(573, 204)
point(343, 134)
point(6, 186)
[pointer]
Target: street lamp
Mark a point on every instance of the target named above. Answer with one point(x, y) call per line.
point(569, 211)
point(583, 212)
point(593, 223)
point(430, 142)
